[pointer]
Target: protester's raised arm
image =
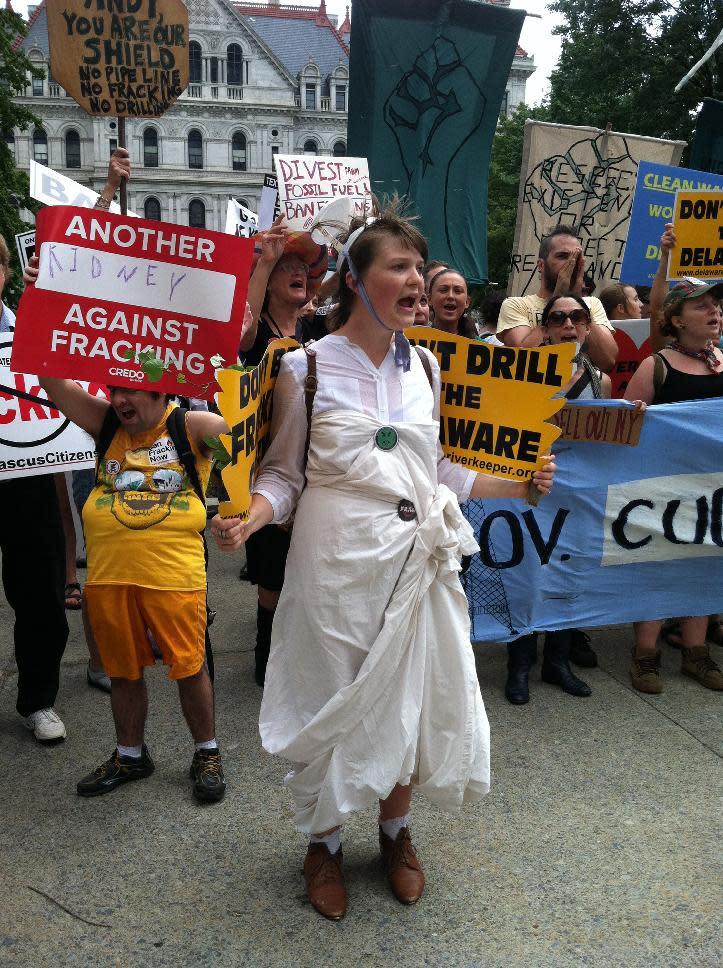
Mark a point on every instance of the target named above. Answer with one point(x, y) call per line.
point(201, 424)
point(83, 409)
point(272, 248)
point(119, 167)
point(659, 289)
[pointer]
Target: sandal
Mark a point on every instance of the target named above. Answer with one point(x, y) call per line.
point(73, 596)
point(670, 633)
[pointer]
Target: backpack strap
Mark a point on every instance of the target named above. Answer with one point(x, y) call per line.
point(660, 373)
point(108, 429)
point(311, 385)
point(426, 364)
point(176, 426)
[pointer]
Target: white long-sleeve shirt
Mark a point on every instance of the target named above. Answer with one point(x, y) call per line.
point(347, 380)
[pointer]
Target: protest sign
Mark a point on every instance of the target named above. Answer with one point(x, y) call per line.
point(584, 177)
point(114, 294)
point(34, 437)
point(25, 245)
point(120, 59)
point(698, 219)
point(52, 188)
point(588, 422)
point(240, 220)
point(246, 403)
point(655, 190)
point(308, 182)
point(269, 209)
point(627, 534)
point(633, 339)
point(495, 401)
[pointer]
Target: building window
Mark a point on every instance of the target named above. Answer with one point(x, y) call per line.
point(195, 149)
point(38, 86)
point(72, 149)
point(505, 102)
point(213, 70)
point(238, 152)
point(197, 214)
point(112, 144)
point(9, 139)
point(150, 148)
point(234, 65)
point(194, 62)
point(274, 150)
point(341, 97)
point(311, 147)
point(40, 146)
point(310, 97)
point(152, 209)
point(339, 149)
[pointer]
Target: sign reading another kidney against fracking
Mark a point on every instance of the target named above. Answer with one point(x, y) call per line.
point(131, 302)
point(655, 190)
point(246, 403)
point(307, 183)
point(495, 401)
point(698, 219)
point(125, 58)
point(35, 438)
point(584, 177)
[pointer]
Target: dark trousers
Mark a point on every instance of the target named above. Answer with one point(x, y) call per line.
point(33, 576)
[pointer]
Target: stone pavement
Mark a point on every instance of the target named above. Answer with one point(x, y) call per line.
point(598, 844)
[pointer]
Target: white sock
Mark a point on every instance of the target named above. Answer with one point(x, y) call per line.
point(392, 827)
point(207, 744)
point(135, 752)
point(332, 841)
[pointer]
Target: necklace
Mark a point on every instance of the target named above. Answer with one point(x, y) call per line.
point(706, 355)
point(275, 328)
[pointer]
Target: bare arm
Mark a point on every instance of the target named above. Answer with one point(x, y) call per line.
point(496, 487)
point(203, 423)
point(119, 168)
point(659, 290)
point(272, 248)
point(83, 409)
point(601, 347)
point(522, 336)
point(641, 386)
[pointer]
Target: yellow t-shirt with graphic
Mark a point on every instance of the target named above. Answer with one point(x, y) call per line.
point(142, 520)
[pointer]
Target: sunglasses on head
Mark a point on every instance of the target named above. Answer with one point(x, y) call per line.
point(576, 316)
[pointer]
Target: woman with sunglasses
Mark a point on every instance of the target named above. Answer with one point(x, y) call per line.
point(567, 319)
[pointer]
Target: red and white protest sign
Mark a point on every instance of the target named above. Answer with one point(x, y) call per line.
point(633, 339)
point(113, 289)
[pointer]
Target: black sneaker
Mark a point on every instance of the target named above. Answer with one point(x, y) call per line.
point(581, 652)
point(207, 775)
point(118, 769)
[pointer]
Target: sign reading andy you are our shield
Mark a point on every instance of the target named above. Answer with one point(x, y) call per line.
point(113, 292)
point(125, 58)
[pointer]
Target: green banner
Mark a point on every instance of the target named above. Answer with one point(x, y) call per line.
point(427, 78)
point(707, 150)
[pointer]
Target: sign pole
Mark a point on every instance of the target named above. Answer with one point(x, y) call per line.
point(124, 183)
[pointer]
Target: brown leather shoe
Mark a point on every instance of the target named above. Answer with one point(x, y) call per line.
point(406, 877)
point(325, 881)
point(697, 663)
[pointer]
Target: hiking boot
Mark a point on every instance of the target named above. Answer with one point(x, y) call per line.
point(581, 652)
point(645, 673)
point(118, 769)
point(45, 725)
point(207, 775)
point(324, 881)
point(406, 877)
point(697, 663)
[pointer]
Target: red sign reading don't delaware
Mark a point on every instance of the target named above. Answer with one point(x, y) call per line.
point(113, 291)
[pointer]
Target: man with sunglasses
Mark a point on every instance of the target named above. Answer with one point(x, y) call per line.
point(562, 269)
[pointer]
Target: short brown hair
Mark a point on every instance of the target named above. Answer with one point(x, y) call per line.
point(612, 296)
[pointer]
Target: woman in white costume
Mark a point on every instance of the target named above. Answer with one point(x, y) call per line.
point(371, 682)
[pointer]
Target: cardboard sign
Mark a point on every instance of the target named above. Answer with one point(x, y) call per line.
point(495, 401)
point(246, 404)
point(52, 188)
point(112, 291)
point(594, 424)
point(655, 190)
point(123, 59)
point(240, 221)
point(633, 339)
point(34, 437)
point(269, 209)
point(698, 223)
point(308, 182)
point(25, 244)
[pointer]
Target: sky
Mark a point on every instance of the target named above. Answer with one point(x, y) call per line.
point(536, 38)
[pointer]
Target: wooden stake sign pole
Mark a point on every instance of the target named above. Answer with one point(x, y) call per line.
point(124, 183)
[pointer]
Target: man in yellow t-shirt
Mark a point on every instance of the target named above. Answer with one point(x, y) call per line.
point(146, 573)
point(561, 267)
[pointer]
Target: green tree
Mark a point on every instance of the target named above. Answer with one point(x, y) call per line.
point(14, 188)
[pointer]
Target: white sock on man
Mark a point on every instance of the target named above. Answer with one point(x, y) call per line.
point(207, 744)
point(332, 841)
point(134, 752)
point(392, 827)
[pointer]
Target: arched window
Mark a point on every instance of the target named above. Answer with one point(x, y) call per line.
point(38, 83)
point(72, 149)
point(197, 214)
point(150, 148)
point(40, 146)
point(194, 62)
point(152, 209)
point(339, 149)
point(234, 65)
point(195, 149)
point(213, 70)
point(238, 152)
point(311, 147)
point(9, 139)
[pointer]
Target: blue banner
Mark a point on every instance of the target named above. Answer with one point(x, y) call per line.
point(653, 203)
point(628, 533)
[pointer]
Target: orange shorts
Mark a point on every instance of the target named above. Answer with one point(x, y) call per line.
point(121, 614)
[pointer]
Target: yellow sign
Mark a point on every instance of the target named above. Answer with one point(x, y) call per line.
point(495, 400)
point(246, 404)
point(698, 253)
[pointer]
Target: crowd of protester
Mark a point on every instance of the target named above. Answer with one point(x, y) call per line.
point(352, 695)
